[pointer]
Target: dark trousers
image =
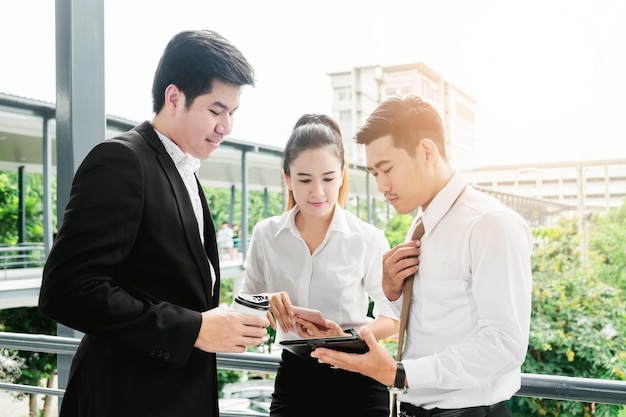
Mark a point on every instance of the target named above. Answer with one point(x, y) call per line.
point(305, 388)
point(496, 410)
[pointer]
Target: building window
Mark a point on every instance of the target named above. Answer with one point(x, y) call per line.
point(406, 90)
point(345, 122)
point(464, 112)
point(343, 95)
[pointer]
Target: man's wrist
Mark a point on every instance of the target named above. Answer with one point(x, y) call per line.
point(391, 294)
point(399, 383)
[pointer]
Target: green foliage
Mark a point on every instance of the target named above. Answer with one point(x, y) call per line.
point(29, 320)
point(391, 345)
point(9, 207)
point(227, 291)
point(397, 228)
point(219, 200)
point(607, 244)
point(578, 322)
point(226, 376)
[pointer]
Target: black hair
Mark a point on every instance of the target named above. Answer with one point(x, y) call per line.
point(192, 60)
point(316, 131)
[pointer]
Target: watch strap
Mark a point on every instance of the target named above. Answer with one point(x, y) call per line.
point(400, 376)
point(398, 386)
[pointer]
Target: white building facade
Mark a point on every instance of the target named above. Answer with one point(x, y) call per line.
point(590, 186)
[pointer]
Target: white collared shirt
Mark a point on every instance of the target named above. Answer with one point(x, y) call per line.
point(336, 279)
point(187, 166)
point(470, 312)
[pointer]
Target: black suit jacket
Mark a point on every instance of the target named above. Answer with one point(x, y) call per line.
point(129, 270)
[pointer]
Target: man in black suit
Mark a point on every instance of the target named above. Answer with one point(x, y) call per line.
point(135, 266)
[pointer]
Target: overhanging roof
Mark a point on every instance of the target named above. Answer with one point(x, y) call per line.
point(22, 126)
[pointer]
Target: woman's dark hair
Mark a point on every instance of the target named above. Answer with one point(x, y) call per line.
point(192, 60)
point(316, 131)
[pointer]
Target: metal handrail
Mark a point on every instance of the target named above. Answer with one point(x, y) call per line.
point(26, 255)
point(533, 385)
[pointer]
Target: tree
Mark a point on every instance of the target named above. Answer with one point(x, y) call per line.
point(607, 240)
point(397, 228)
point(38, 366)
point(9, 207)
point(578, 324)
point(219, 203)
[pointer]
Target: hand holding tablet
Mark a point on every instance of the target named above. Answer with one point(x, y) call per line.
point(350, 343)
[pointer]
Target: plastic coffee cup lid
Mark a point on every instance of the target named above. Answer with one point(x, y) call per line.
point(255, 301)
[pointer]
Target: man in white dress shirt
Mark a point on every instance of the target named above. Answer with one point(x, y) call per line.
point(469, 317)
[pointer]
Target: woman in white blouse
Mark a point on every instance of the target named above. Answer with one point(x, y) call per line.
point(318, 255)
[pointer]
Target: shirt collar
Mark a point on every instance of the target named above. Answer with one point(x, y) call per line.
point(183, 161)
point(443, 201)
point(338, 223)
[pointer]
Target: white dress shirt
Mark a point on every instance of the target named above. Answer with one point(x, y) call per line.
point(336, 279)
point(187, 165)
point(470, 312)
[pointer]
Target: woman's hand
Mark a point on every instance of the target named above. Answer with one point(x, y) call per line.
point(306, 329)
point(280, 313)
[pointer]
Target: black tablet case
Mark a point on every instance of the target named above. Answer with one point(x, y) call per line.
point(350, 343)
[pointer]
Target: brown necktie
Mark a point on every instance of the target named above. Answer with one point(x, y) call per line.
point(407, 291)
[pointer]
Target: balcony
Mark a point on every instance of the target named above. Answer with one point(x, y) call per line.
point(542, 386)
point(21, 268)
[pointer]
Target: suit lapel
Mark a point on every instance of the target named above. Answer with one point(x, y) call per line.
point(185, 209)
point(210, 244)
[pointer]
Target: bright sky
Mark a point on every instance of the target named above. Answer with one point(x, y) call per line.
point(549, 76)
